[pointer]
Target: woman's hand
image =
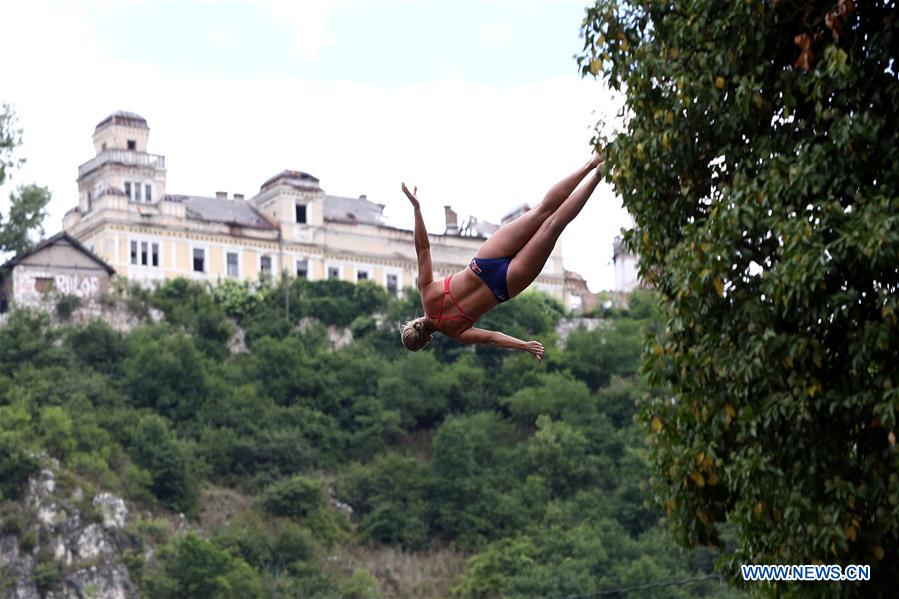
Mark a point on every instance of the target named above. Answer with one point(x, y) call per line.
point(535, 348)
point(411, 195)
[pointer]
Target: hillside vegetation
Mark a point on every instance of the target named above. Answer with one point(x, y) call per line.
point(471, 472)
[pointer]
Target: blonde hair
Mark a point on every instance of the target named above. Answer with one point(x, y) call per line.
point(415, 337)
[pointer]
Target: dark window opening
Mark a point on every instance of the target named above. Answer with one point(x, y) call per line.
point(143, 253)
point(128, 188)
point(43, 284)
point(132, 145)
point(301, 213)
point(302, 269)
point(137, 192)
point(147, 194)
point(333, 272)
point(265, 264)
point(362, 275)
point(232, 264)
point(392, 286)
point(133, 252)
point(199, 260)
point(155, 254)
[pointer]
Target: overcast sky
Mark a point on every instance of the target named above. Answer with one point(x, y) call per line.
point(479, 104)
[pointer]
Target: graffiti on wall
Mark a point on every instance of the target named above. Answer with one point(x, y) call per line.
point(84, 287)
point(32, 286)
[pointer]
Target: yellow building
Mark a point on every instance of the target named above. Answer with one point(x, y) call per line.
point(126, 216)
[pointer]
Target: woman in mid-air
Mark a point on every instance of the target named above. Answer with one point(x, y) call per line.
point(505, 265)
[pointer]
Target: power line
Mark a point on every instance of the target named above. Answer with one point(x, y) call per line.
point(655, 585)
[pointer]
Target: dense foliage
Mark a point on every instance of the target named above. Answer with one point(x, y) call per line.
point(758, 156)
point(533, 474)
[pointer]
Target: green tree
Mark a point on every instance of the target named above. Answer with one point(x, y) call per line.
point(178, 386)
point(27, 205)
point(28, 339)
point(561, 456)
point(155, 448)
point(10, 139)
point(556, 394)
point(758, 158)
point(388, 499)
point(16, 465)
point(596, 356)
point(194, 567)
point(472, 468)
point(98, 346)
point(27, 210)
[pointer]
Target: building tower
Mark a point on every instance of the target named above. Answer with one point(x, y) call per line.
point(121, 167)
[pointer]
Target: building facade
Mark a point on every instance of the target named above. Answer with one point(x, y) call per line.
point(58, 266)
point(127, 216)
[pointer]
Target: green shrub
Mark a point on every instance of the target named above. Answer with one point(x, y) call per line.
point(238, 299)
point(47, 572)
point(360, 585)
point(269, 546)
point(16, 465)
point(66, 305)
point(13, 519)
point(296, 496)
point(194, 567)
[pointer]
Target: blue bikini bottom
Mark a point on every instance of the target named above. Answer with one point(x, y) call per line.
point(493, 272)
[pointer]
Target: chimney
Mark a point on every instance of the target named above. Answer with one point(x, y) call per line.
point(452, 221)
point(238, 196)
point(221, 195)
point(363, 197)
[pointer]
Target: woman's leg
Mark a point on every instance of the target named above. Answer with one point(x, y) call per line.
point(527, 264)
point(511, 237)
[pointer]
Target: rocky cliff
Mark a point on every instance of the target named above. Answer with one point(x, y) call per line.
point(58, 543)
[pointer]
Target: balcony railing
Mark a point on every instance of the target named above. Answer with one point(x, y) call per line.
point(126, 157)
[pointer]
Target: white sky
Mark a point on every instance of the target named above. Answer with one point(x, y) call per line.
point(476, 118)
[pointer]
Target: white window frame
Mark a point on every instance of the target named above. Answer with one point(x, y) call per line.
point(306, 206)
point(205, 271)
point(237, 253)
point(149, 240)
point(399, 279)
point(399, 286)
point(138, 188)
point(271, 262)
point(296, 263)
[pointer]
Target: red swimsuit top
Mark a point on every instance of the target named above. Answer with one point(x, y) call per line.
point(440, 317)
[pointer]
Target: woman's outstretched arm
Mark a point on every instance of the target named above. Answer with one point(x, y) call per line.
point(422, 244)
point(498, 339)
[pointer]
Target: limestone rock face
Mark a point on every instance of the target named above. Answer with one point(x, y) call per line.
point(57, 532)
point(112, 509)
point(338, 337)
